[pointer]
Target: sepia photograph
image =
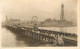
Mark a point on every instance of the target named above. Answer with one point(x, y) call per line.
point(39, 23)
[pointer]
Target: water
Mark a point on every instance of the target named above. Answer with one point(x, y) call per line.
point(11, 39)
point(72, 30)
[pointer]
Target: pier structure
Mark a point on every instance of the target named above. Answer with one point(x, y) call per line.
point(41, 35)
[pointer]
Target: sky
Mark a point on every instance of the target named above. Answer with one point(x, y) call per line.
point(43, 9)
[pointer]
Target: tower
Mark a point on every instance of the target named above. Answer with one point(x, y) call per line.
point(62, 12)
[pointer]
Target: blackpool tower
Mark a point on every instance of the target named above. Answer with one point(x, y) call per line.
point(62, 12)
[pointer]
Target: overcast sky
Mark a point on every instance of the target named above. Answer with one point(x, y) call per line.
point(43, 9)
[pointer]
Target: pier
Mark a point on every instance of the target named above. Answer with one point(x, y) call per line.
point(43, 36)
